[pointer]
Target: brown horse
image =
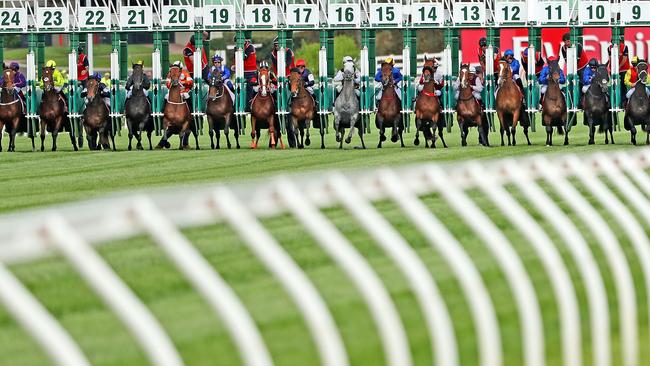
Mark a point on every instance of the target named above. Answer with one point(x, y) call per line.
point(303, 107)
point(468, 109)
point(389, 110)
point(10, 108)
point(427, 111)
point(263, 112)
point(177, 117)
point(52, 112)
point(508, 104)
point(220, 110)
point(96, 119)
point(554, 109)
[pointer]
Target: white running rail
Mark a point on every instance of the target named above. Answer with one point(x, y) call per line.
point(73, 230)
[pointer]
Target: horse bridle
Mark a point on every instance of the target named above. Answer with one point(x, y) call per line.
point(214, 83)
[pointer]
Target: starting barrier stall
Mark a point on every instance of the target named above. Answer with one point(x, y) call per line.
point(83, 18)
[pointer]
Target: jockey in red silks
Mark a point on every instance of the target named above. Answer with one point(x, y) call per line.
point(438, 77)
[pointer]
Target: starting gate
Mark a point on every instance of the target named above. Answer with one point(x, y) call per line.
point(81, 18)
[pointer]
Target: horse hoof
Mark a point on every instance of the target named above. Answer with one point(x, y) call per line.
point(416, 142)
point(54, 148)
point(307, 141)
point(634, 142)
point(212, 146)
point(301, 147)
point(382, 138)
point(394, 138)
point(348, 140)
point(591, 142)
point(322, 146)
point(139, 147)
point(338, 138)
point(129, 148)
point(566, 143)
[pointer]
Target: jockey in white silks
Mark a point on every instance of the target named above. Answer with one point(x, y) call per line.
point(348, 64)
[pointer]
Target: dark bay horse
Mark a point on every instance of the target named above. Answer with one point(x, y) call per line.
point(427, 111)
point(554, 109)
point(138, 111)
point(263, 112)
point(303, 107)
point(596, 106)
point(220, 110)
point(637, 110)
point(10, 109)
point(177, 117)
point(389, 111)
point(346, 110)
point(96, 119)
point(52, 112)
point(508, 104)
point(468, 109)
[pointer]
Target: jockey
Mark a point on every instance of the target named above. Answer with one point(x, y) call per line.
point(264, 65)
point(580, 52)
point(225, 72)
point(623, 63)
point(186, 82)
point(397, 78)
point(57, 81)
point(476, 84)
point(250, 69)
point(338, 78)
point(19, 83)
point(438, 78)
point(509, 57)
point(188, 54)
point(146, 84)
point(102, 91)
point(288, 58)
point(308, 78)
point(632, 77)
point(106, 79)
point(539, 62)
point(482, 48)
point(589, 74)
point(82, 66)
point(543, 77)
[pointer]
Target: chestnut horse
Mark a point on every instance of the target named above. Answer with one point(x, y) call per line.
point(508, 104)
point(303, 107)
point(468, 109)
point(96, 118)
point(427, 111)
point(554, 109)
point(220, 110)
point(52, 112)
point(10, 108)
point(263, 112)
point(389, 111)
point(177, 117)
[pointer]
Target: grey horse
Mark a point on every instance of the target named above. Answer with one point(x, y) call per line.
point(346, 109)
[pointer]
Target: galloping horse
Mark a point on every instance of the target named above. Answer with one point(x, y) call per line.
point(220, 110)
point(96, 119)
point(303, 107)
point(554, 110)
point(52, 112)
point(427, 111)
point(389, 110)
point(10, 108)
point(468, 109)
point(637, 111)
point(596, 106)
point(177, 117)
point(508, 104)
point(263, 112)
point(138, 111)
point(346, 109)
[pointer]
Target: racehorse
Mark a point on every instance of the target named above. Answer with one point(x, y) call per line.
point(346, 109)
point(10, 108)
point(468, 109)
point(96, 118)
point(303, 107)
point(220, 110)
point(637, 111)
point(554, 109)
point(52, 112)
point(263, 112)
point(177, 117)
point(138, 111)
point(389, 110)
point(508, 104)
point(427, 111)
point(596, 106)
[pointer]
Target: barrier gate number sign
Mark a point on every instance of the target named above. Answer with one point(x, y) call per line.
point(53, 18)
point(94, 18)
point(136, 17)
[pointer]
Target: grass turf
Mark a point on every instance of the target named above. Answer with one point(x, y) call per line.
point(47, 178)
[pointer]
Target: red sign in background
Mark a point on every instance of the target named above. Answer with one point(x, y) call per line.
point(595, 41)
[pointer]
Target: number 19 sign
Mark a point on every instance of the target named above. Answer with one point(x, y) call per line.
point(219, 16)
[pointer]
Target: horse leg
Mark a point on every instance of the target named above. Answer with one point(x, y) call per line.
point(131, 134)
point(633, 135)
point(218, 133)
point(513, 131)
point(647, 136)
point(254, 133)
point(149, 137)
point(111, 135)
point(42, 133)
point(515, 119)
point(463, 133)
point(12, 136)
point(502, 129)
point(226, 130)
point(363, 144)
point(237, 137)
point(307, 127)
point(549, 135)
point(566, 135)
point(279, 139)
point(211, 131)
point(195, 132)
point(442, 138)
point(301, 130)
point(400, 131)
point(163, 140)
point(353, 123)
point(526, 134)
point(611, 128)
point(55, 134)
point(592, 130)
point(418, 124)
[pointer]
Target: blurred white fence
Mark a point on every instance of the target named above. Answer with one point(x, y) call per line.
point(74, 230)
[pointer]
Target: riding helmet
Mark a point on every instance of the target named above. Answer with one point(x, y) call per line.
point(14, 66)
point(275, 40)
point(508, 53)
point(635, 60)
point(264, 65)
point(139, 63)
point(347, 59)
point(389, 60)
point(482, 42)
point(566, 37)
point(472, 69)
point(178, 64)
point(593, 63)
point(300, 62)
point(217, 58)
point(97, 76)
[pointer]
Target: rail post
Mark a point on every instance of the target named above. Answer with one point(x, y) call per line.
point(616, 82)
point(240, 82)
point(197, 91)
point(532, 86)
point(282, 94)
point(450, 61)
point(367, 76)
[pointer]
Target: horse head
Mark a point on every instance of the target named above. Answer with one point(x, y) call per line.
point(463, 75)
point(174, 75)
point(48, 82)
point(427, 74)
point(138, 76)
point(602, 78)
point(505, 72)
point(554, 70)
point(386, 74)
point(264, 79)
point(296, 82)
point(92, 86)
point(642, 68)
point(8, 79)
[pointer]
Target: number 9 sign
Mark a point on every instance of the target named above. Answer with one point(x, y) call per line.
point(219, 16)
point(261, 15)
point(634, 11)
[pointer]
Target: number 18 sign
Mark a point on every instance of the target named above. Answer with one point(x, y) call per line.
point(261, 15)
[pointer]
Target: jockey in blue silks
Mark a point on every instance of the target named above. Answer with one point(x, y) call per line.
point(397, 78)
point(225, 72)
point(543, 76)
